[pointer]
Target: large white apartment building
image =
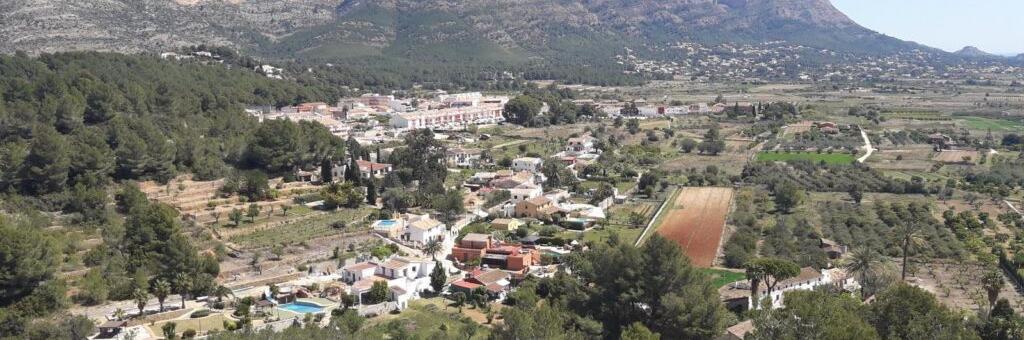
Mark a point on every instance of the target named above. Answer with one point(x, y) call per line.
point(449, 118)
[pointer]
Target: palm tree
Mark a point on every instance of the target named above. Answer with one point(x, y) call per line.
point(119, 314)
point(221, 291)
point(909, 237)
point(993, 283)
point(863, 264)
point(141, 297)
point(161, 289)
point(433, 247)
point(183, 285)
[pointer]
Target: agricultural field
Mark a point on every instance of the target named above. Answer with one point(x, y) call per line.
point(722, 277)
point(905, 158)
point(829, 158)
point(917, 115)
point(954, 283)
point(314, 226)
point(695, 220)
point(957, 156)
point(996, 125)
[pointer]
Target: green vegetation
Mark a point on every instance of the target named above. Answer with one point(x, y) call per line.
point(720, 277)
point(305, 229)
point(1000, 125)
point(828, 158)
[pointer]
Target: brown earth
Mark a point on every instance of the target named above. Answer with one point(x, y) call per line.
point(696, 220)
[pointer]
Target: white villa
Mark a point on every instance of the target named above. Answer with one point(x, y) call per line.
point(421, 229)
point(406, 278)
point(531, 164)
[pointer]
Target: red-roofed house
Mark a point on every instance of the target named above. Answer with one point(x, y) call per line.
point(372, 169)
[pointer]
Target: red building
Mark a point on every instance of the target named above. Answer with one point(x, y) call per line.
point(512, 257)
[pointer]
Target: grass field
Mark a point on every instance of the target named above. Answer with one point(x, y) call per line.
point(917, 115)
point(834, 158)
point(723, 277)
point(1004, 125)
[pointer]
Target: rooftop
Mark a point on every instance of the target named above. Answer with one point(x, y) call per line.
point(474, 237)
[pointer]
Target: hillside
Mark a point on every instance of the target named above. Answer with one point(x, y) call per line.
point(508, 30)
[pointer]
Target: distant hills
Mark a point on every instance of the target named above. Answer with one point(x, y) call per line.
point(448, 32)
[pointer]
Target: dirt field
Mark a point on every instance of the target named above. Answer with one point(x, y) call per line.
point(956, 285)
point(696, 221)
point(956, 156)
point(908, 157)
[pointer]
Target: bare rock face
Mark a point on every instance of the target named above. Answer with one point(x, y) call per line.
point(293, 26)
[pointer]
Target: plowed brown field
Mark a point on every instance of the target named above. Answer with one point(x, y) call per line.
point(695, 221)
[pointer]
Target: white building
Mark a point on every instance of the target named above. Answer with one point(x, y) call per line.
point(583, 144)
point(421, 229)
point(808, 279)
point(451, 118)
point(406, 278)
point(531, 164)
point(525, 192)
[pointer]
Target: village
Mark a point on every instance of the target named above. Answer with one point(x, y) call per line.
point(296, 262)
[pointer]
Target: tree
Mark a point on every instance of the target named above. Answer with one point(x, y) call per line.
point(687, 144)
point(864, 264)
point(141, 297)
point(450, 205)
point(755, 273)
point(285, 208)
point(378, 292)
point(326, 171)
point(814, 314)
point(459, 298)
point(46, 168)
point(168, 330)
point(371, 192)
point(535, 322)
point(252, 212)
point(907, 233)
point(637, 331)
point(713, 143)
point(774, 271)
point(183, 285)
point(28, 258)
point(993, 283)
point(341, 195)
point(856, 195)
point(908, 312)
point(522, 109)
point(433, 247)
point(236, 216)
point(633, 126)
point(788, 196)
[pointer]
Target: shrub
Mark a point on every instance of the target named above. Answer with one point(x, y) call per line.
point(200, 313)
point(188, 334)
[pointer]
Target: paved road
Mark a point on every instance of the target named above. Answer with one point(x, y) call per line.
point(867, 147)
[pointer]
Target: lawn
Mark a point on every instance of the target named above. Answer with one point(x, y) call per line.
point(833, 158)
point(723, 277)
point(597, 236)
point(427, 319)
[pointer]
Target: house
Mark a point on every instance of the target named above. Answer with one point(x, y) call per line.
point(111, 329)
point(307, 176)
point(833, 249)
point(463, 158)
point(524, 192)
point(537, 207)
point(456, 117)
point(531, 164)
point(496, 282)
point(406, 278)
point(738, 331)
point(423, 229)
point(482, 247)
point(369, 169)
point(736, 296)
point(939, 139)
point(481, 178)
point(583, 144)
point(506, 224)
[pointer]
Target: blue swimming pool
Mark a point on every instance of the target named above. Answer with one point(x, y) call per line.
point(301, 307)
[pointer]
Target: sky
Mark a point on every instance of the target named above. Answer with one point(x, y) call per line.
point(995, 26)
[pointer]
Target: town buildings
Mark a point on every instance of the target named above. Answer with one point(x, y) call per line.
point(494, 254)
point(406, 278)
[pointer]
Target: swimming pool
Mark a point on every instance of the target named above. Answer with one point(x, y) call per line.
point(301, 307)
point(386, 223)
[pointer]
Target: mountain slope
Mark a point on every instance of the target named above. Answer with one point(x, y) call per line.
point(445, 31)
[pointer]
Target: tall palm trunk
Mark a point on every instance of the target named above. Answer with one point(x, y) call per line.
point(906, 245)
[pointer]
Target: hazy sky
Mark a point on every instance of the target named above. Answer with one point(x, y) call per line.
point(996, 26)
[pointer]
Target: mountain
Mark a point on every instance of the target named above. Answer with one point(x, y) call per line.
point(566, 33)
point(974, 52)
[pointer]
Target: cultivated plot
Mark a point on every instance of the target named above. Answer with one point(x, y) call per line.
point(695, 221)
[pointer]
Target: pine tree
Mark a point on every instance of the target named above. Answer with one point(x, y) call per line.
point(46, 167)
